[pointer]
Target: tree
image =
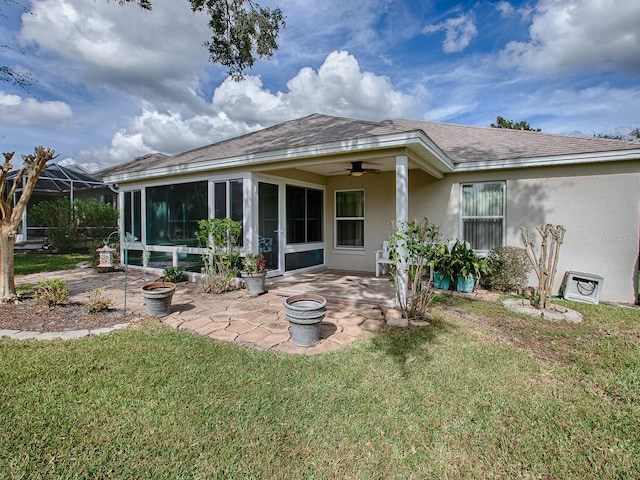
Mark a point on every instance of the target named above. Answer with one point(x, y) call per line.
point(501, 122)
point(632, 136)
point(11, 213)
point(411, 249)
point(241, 31)
point(546, 264)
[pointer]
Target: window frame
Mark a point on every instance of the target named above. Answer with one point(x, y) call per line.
point(336, 219)
point(306, 219)
point(133, 217)
point(228, 201)
point(503, 217)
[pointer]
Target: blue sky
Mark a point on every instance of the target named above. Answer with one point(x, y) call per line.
point(116, 82)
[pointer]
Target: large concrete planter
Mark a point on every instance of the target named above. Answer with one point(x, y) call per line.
point(157, 296)
point(305, 313)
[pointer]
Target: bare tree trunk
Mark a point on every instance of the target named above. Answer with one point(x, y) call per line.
point(11, 213)
point(7, 281)
point(545, 266)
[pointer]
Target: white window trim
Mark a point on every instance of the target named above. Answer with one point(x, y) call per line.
point(337, 247)
point(503, 216)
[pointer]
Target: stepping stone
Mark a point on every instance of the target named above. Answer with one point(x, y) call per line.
point(223, 335)
point(239, 326)
point(372, 325)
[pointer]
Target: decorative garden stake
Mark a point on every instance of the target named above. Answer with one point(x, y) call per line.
point(129, 238)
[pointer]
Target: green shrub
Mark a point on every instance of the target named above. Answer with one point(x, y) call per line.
point(419, 239)
point(68, 221)
point(51, 292)
point(509, 269)
point(220, 239)
point(98, 302)
point(173, 274)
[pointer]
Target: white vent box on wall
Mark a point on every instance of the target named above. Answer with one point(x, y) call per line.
point(581, 287)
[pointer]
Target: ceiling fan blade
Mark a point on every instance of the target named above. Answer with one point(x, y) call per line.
point(371, 170)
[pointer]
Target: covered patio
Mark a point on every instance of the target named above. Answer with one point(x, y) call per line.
point(338, 286)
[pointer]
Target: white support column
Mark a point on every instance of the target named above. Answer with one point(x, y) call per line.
point(402, 216)
point(249, 213)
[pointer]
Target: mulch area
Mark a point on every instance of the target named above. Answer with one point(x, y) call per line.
point(30, 315)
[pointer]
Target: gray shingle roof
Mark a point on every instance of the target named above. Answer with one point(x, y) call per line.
point(463, 144)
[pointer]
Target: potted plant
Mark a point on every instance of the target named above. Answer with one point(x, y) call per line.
point(441, 263)
point(254, 272)
point(468, 267)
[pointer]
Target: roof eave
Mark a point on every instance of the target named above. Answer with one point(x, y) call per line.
point(550, 161)
point(415, 140)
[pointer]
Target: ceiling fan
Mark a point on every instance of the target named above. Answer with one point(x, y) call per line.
point(357, 170)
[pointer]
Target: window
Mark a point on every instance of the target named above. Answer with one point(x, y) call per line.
point(173, 212)
point(228, 202)
point(304, 214)
point(483, 215)
point(350, 219)
point(133, 213)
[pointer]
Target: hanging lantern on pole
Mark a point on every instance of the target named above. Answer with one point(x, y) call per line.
point(106, 256)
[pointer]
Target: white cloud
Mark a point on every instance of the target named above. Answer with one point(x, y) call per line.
point(25, 112)
point(460, 31)
point(154, 54)
point(168, 132)
point(338, 87)
point(505, 8)
point(580, 34)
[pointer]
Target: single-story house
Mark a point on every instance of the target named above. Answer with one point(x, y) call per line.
point(321, 192)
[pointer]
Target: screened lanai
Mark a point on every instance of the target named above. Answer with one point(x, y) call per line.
point(57, 181)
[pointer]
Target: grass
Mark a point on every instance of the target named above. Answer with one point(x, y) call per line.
point(26, 263)
point(481, 393)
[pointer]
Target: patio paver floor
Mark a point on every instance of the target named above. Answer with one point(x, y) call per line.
point(258, 322)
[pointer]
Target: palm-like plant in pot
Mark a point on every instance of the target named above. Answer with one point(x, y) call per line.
point(468, 267)
point(443, 268)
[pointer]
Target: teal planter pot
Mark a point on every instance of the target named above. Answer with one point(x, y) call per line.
point(440, 281)
point(465, 284)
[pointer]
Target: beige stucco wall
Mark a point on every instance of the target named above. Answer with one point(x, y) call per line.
point(379, 213)
point(598, 204)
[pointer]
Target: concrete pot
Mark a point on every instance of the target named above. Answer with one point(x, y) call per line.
point(157, 296)
point(254, 282)
point(305, 313)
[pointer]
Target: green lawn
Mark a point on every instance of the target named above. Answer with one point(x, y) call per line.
point(481, 393)
point(26, 263)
